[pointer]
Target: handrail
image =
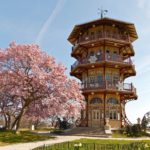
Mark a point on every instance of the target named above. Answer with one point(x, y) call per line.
point(103, 57)
point(101, 35)
point(108, 85)
point(124, 117)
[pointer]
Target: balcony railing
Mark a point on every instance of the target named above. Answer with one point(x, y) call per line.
point(101, 35)
point(101, 58)
point(108, 85)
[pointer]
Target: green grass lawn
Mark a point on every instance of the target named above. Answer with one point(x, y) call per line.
point(99, 144)
point(119, 135)
point(9, 137)
point(123, 135)
point(107, 141)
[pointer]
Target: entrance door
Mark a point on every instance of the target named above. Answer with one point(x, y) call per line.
point(96, 118)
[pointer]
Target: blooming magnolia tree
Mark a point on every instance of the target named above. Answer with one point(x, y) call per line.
point(32, 83)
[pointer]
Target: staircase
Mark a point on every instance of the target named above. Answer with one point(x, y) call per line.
point(124, 117)
point(126, 120)
point(86, 131)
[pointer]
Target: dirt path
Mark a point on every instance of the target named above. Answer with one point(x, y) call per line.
point(59, 139)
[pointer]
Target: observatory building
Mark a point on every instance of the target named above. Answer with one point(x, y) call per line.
point(103, 50)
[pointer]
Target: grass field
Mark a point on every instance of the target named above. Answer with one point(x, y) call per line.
point(98, 144)
point(123, 135)
point(109, 141)
point(9, 137)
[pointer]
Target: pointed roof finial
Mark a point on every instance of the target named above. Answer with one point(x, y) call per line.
point(102, 12)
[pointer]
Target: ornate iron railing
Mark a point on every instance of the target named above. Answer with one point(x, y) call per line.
point(108, 85)
point(95, 146)
point(101, 58)
point(99, 36)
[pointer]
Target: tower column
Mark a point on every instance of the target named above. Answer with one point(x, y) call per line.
point(87, 111)
point(104, 107)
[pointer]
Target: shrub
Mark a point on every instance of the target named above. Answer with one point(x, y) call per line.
point(144, 123)
point(134, 130)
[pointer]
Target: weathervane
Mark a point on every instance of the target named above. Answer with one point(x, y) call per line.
point(102, 12)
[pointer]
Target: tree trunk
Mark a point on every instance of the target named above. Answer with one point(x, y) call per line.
point(5, 127)
point(9, 121)
point(36, 123)
point(18, 119)
point(14, 123)
point(18, 122)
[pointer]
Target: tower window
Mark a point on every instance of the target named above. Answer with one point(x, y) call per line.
point(109, 77)
point(113, 114)
point(96, 100)
point(97, 115)
point(92, 79)
point(112, 101)
point(115, 79)
point(100, 78)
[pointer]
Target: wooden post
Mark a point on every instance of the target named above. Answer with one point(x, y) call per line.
point(104, 107)
point(121, 112)
point(131, 87)
point(87, 112)
point(94, 146)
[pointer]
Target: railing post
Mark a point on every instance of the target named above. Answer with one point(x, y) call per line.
point(94, 146)
point(104, 55)
point(68, 144)
point(104, 34)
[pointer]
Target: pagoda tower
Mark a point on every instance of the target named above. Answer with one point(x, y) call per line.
point(103, 49)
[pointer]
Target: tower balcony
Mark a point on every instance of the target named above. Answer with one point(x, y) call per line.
point(101, 36)
point(110, 86)
point(115, 59)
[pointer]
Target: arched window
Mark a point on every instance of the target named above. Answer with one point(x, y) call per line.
point(112, 101)
point(113, 115)
point(96, 100)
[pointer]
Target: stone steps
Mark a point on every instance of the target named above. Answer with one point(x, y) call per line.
point(86, 131)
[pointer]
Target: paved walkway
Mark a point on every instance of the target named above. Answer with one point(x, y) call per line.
point(59, 139)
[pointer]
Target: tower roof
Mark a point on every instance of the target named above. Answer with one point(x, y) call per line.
point(127, 26)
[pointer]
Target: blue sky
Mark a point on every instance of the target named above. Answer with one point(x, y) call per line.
point(49, 22)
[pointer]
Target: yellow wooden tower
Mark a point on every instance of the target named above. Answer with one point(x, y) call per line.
point(103, 49)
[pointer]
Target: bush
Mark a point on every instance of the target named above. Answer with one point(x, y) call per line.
point(134, 130)
point(128, 130)
point(64, 124)
point(144, 123)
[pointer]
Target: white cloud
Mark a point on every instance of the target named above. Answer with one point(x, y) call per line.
point(50, 19)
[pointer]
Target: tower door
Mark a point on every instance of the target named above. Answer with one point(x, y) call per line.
point(96, 118)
